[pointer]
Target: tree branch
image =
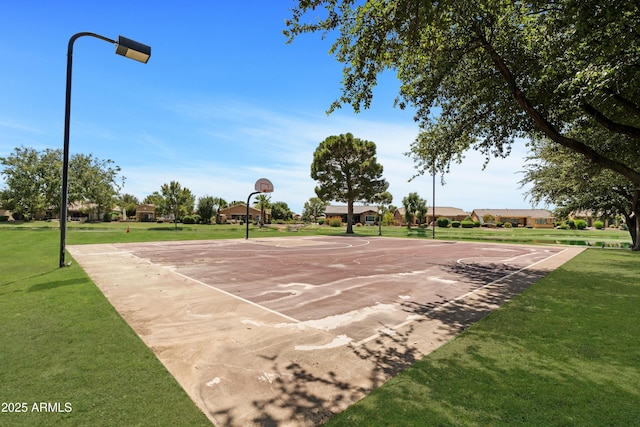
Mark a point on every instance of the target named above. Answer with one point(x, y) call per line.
point(630, 106)
point(543, 125)
point(609, 124)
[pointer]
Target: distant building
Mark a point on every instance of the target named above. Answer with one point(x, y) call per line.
point(454, 214)
point(361, 214)
point(590, 217)
point(535, 218)
point(145, 213)
point(239, 212)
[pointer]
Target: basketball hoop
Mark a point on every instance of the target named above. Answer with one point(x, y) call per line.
point(263, 185)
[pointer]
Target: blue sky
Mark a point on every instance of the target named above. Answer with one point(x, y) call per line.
point(222, 102)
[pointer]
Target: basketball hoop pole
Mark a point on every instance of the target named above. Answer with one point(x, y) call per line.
point(263, 185)
point(247, 217)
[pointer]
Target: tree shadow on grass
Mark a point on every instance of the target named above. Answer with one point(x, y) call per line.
point(55, 284)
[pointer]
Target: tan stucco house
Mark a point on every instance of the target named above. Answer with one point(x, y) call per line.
point(361, 214)
point(239, 212)
point(145, 213)
point(535, 218)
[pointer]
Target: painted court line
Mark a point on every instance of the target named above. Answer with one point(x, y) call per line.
point(172, 270)
point(451, 301)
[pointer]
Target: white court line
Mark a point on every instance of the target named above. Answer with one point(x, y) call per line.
point(236, 297)
point(172, 270)
point(450, 302)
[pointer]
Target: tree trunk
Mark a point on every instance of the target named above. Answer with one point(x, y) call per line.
point(350, 217)
point(633, 222)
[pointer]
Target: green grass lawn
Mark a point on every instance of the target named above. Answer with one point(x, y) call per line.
point(565, 352)
point(80, 233)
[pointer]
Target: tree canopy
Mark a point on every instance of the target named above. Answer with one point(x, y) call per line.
point(481, 74)
point(280, 211)
point(565, 179)
point(313, 208)
point(347, 171)
point(414, 205)
point(173, 199)
point(34, 181)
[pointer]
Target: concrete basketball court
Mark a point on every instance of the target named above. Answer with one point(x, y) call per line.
point(291, 331)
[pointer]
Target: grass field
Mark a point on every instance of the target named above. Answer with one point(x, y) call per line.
point(565, 352)
point(79, 233)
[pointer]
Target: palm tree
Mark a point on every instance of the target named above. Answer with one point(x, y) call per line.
point(264, 202)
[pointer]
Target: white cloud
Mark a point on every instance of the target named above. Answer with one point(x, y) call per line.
point(249, 142)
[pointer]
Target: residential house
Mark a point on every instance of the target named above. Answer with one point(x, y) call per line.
point(361, 214)
point(454, 214)
point(535, 218)
point(83, 212)
point(238, 212)
point(590, 217)
point(145, 213)
point(6, 213)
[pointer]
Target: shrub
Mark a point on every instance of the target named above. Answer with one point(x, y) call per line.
point(455, 224)
point(581, 224)
point(467, 224)
point(499, 224)
point(320, 221)
point(476, 223)
point(489, 218)
point(4, 218)
point(572, 224)
point(335, 221)
point(443, 222)
point(507, 225)
point(191, 219)
point(358, 224)
point(599, 225)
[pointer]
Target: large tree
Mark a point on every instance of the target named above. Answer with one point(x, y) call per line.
point(34, 181)
point(481, 74)
point(347, 171)
point(94, 182)
point(414, 205)
point(209, 207)
point(174, 200)
point(565, 179)
point(206, 208)
point(313, 208)
point(281, 211)
point(31, 179)
point(129, 202)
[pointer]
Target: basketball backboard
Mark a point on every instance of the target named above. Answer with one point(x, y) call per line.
point(263, 185)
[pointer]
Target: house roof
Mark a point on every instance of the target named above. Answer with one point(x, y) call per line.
point(240, 208)
point(441, 211)
point(342, 210)
point(514, 213)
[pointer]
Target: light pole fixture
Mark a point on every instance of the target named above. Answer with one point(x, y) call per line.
point(125, 47)
point(263, 185)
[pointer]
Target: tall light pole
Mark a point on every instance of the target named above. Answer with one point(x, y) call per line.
point(125, 47)
point(433, 215)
